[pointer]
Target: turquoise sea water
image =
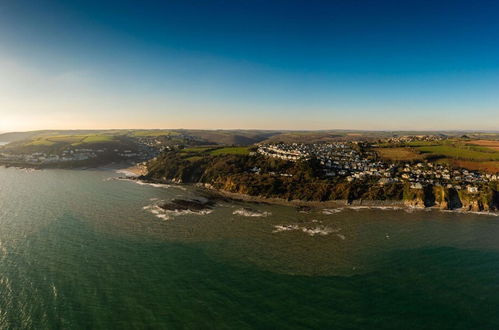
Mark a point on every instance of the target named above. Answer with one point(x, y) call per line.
point(80, 251)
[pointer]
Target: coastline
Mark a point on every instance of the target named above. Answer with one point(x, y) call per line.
point(339, 204)
point(124, 168)
point(298, 203)
point(333, 204)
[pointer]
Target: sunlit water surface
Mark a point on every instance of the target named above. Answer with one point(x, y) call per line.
point(81, 250)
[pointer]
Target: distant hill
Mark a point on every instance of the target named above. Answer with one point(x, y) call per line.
point(231, 137)
point(20, 136)
point(246, 137)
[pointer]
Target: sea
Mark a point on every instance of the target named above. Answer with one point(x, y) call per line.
point(83, 249)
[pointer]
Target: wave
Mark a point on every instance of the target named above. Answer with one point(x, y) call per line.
point(281, 228)
point(246, 212)
point(368, 207)
point(321, 230)
point(127, 173)
point(163, 214)
point(375, 207)
point(471, 212)
point(311, 231)
point(151, 184)
point(332, 211)
point(155, 185)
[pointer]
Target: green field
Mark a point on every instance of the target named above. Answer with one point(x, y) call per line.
point(97, 139)
point(230, 151)
point(460, 151)
point(41, 142)
point(74, 140)
point(456, 149)
point(215, 151)
point(197, 149)
point(153, 133)
point(399, 154)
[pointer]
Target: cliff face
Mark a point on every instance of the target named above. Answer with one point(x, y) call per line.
point(487, 199)
point(451, 199)
point(420, 198)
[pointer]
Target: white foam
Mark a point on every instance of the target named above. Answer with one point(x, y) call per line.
point(251, 213)
point(460, 211)
point(376, 207)
point(127, 173)
point(280, 228)
point(321, 230)
point(168, 214)
point(155, 185)
point(311, 231)
point(331, 211)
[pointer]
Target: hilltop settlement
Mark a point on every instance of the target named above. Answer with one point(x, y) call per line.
point(428, 170)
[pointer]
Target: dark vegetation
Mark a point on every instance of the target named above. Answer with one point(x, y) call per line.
point(258, 176)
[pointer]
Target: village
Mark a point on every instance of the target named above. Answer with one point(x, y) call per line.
point(356, 161)
point(71, 154)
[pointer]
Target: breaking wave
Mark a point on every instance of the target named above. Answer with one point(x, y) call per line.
point(311, 231)
point(246, 212)
point(472, 212)
point(163, 214)
point(331, 211)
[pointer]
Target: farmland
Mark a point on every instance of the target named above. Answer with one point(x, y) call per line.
point(215, 151)
point(459, 151)
point(398, 154)
point(154, 133)
point(487, 166)
point(489, 144)
point(230, 151)
point(477, 154)
point(74, 140)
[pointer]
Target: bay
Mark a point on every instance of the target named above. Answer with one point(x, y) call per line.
point(80, 249)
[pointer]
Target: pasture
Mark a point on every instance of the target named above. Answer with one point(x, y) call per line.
point(215, 151)
point(489, 144)
point(74, 140)
point(154, 133)
point(459, 151)
point(398, 154)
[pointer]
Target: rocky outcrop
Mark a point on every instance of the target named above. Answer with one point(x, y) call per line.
point(191, 205)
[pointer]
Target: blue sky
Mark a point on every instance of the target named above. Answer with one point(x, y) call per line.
point(249, 64)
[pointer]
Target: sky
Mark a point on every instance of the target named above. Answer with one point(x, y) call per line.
point(352, 64)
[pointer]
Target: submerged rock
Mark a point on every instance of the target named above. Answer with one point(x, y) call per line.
point(192, 205)
point(304, 209)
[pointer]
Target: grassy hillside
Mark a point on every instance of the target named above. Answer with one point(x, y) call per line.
point(154, 133)
point(472, 154)
point(215, 151)
point(399, 154)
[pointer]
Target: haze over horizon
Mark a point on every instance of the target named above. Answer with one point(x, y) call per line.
point(300, 65)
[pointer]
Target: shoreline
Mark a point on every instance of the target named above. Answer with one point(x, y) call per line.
point(297, 203)
point(123, 167)
point(340, 204)
point(332, 204)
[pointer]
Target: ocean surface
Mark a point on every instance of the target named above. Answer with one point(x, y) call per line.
point(82, 250)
